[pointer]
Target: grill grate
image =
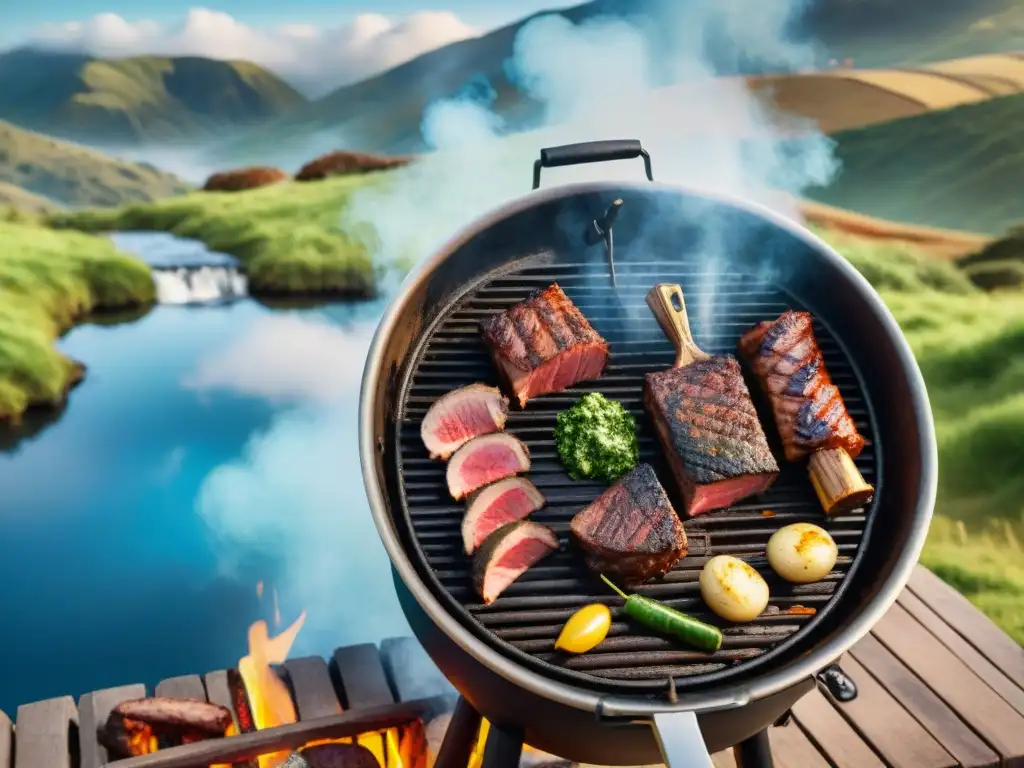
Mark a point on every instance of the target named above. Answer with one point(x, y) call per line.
point(526, 619)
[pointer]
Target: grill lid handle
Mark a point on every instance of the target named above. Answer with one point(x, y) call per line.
point(591, 152)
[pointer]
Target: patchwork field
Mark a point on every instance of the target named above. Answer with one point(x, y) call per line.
point(841, 99)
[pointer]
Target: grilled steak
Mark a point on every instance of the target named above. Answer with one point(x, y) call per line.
point(544, 345)
point(484, 460)
point(507, 554)
point(506, 501)
point(631, 530)
point(709, 429)
point(809, 411)
point(461, 415)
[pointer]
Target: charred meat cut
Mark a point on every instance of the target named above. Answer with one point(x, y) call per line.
point(544, 344)
point(142, 726)
point(483, 460)
point(507, 554)
point(459, 416)
point(506, 501)
point(185, 714)
point(809, 411)
point(709, 430)
point(631, 530)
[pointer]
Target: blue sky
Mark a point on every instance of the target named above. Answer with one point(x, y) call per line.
point(18, 19)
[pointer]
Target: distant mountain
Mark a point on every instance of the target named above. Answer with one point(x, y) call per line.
point(959, 168)
point(119, 102)
point(36, 168)
point(384, 112)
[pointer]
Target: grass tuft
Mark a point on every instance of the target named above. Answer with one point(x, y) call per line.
point(48, 280)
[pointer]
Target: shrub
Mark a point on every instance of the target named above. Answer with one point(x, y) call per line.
point(243, 178)
point(995, 275)
point(343, 163)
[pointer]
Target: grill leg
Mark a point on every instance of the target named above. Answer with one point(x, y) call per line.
point(755, 752)
point(460, 738)
point(504, 748)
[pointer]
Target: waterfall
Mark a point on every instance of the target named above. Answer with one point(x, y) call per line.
point(205, 284)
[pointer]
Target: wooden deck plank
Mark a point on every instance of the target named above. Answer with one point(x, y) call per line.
point(953, 681)
point(929, 710)
point(890, 730)
point(5, 740)
point(361, 675)
point(1011, 693)
point(93, 711)
point(834, 737)
point(792, 749)
point(218, 692)
point(724, 759)
point(45, 734)
point(183, 687)
point(311, 687)
point(979, 630)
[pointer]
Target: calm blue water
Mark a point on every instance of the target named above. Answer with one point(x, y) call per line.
point(208, 448)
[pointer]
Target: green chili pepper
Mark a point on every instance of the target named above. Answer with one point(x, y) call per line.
point(669, 621)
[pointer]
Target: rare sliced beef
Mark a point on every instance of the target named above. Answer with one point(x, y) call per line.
point(631, 531)
point(459, 416)
point(484, 460)
point(507, 554)
point(709, 430)
point(544, 344)
point(809, 411)
point(506, 501)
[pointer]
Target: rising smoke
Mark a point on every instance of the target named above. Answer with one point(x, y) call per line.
point(298, 492)
point(594, 81)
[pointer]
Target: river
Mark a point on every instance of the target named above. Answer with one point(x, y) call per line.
point(211, 446)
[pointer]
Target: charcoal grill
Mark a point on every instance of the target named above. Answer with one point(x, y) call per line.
point(737, 264)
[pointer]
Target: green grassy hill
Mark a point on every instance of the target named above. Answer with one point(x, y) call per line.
point(960, 168)
point(139, 99)
point(41, 168)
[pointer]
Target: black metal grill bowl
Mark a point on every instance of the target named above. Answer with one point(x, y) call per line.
point(737, 264)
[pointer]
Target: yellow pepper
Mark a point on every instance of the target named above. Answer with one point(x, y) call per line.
point(585, 629)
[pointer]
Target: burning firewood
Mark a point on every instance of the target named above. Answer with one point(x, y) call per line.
point(142, 726)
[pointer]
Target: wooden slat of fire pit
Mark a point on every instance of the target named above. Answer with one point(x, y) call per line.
point(93, 710)
point(184, 687)
point(410, 671)
point(5, 740)
point(309, 680)
point(218, 692)
point(359, 672)
point(47, 734)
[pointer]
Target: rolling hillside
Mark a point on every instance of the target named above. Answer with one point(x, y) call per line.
point(959, 168)
point(134, 100)
point(35, 169)
point(383, 113)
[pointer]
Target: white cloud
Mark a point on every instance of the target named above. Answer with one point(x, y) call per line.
point(287, 357)
point(314, 59)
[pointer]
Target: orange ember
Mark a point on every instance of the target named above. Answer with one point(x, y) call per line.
point(802, 610)
point(141, 739)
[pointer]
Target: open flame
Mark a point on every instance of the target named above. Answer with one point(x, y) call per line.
point(270, 702)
